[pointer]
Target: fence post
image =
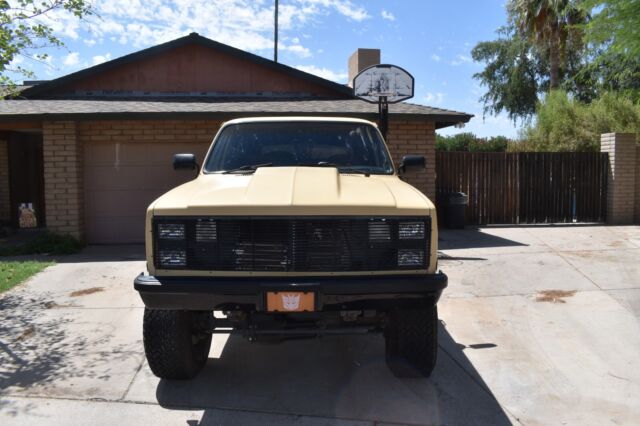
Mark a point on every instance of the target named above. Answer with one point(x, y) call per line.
point(621, 182)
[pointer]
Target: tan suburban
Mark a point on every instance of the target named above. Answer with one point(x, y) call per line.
point(294, 226)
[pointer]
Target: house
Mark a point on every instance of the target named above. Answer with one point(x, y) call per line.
point(90, 150)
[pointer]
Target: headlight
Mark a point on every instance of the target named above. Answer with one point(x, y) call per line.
point(410, 257)
point(379, 230)
point(171, 231)
point(206, 231)
point(411, 230)
point(172, 258)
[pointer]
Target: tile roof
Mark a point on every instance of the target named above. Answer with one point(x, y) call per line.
point(61, 109)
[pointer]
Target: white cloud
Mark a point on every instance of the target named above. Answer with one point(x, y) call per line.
point(436, 57)
point(98, 59)
point(245, 24)
point(387, 15)
point(434, 98)
point(298, 49)
point(17, 60)
point(339, 77)
point(490, 126)
point(72, 59)
point(461, 59)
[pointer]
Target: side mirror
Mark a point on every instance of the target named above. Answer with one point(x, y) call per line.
point(412, 161)
point(185, 161)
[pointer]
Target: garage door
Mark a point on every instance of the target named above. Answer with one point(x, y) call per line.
point(122, 179)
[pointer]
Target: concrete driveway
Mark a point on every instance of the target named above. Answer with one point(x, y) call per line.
point(539, 326)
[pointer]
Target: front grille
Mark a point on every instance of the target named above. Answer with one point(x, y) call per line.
point(293, 244)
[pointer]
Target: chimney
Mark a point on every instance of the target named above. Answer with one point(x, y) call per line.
point(361, 59)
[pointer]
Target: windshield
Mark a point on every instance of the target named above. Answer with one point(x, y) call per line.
point(347, 146)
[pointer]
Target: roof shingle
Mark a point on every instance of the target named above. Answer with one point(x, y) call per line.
point(65, 109)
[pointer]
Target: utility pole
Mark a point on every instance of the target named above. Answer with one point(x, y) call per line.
point(275, 38)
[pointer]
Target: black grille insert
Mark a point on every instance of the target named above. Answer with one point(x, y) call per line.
point(294, 244)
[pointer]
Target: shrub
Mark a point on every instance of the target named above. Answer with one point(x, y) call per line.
point(45, 243)
point(470, 142)
point(565, 124)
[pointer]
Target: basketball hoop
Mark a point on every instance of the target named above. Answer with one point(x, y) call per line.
point(383, 84)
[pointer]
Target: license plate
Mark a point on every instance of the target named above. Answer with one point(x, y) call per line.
point(291, 301)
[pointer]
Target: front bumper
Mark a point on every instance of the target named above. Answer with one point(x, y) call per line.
point(332, 293)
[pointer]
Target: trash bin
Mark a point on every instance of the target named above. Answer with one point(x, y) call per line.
point(456, 206)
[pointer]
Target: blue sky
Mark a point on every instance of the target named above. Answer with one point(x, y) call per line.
point(431, 39)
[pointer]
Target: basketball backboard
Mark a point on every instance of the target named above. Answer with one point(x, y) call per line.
point(388, 81)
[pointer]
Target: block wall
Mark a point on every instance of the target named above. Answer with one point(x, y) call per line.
point(621, 185)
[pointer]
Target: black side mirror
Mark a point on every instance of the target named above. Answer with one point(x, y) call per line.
point(412, 161)
point(185, 161)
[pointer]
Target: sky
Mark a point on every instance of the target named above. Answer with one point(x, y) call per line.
point(431, 39)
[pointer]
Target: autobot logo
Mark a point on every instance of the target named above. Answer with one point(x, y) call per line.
point(290, 302)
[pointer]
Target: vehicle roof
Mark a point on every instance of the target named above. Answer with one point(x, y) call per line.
point(299, 119)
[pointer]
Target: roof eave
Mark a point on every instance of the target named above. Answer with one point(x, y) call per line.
point(441, 120)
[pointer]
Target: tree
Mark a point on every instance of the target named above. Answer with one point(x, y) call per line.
point(24, 32)
point(552, 26)
point(615, 23)
point(606, 71)
point(512, 74)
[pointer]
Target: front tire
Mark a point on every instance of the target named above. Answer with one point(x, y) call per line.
point(411, 341)
point(174, 343)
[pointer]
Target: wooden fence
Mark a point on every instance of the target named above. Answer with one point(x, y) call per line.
point(536, 187)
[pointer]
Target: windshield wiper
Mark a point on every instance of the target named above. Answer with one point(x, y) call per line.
point(249, 168)
point(341, 169)
point(319, 164)
point(354, 170)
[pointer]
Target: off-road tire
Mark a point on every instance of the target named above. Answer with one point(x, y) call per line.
point(175, 348)
point(411, 341)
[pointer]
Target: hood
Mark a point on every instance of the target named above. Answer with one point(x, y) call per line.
point(294, 191)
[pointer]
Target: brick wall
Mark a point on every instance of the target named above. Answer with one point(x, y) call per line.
point(415, 137)
point(145, 131)
point(66, 144)
point(63, 191)
point(405, 137)
point(622, 176)
point(5, 213)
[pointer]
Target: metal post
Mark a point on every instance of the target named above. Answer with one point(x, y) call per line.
point(383, 113)
point(275, 38)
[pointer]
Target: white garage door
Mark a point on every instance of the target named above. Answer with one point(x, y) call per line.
point(122, 179)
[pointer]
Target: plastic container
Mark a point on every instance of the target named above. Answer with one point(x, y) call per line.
point(456, 207)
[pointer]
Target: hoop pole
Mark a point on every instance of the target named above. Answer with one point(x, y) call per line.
point(383, 115)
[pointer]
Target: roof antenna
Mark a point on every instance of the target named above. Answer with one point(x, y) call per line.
point(275, 42)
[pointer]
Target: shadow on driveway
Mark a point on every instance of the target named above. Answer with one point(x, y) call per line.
point(93, 253)
point(44, 349)
point(343, 377)
point(472, 238)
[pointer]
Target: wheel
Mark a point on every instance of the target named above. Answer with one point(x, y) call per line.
point(174, 346)
point(411, 341)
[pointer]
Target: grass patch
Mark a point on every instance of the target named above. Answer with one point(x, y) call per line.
point(13, 273)
point(46, 243)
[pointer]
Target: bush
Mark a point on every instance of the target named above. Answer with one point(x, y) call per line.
point(471, 143)
point(45, 243)
point(565, 124)
point(493, 144)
